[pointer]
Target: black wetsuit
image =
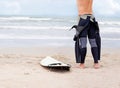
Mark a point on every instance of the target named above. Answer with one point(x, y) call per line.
point(87, 27)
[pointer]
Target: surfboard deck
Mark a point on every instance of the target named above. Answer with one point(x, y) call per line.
point(53, 63)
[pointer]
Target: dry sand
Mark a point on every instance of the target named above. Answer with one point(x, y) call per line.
point(20, 68)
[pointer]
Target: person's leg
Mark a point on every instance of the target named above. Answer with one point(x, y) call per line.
point(81, 50)
point(82, 44)
point(94, 47)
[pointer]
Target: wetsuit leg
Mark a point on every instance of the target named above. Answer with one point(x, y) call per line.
point(81, 43)
point(92, 40)
point(83, 48)
point(94, 49)
point(77, 51)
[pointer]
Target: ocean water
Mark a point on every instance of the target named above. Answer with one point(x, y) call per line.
point(51, 31)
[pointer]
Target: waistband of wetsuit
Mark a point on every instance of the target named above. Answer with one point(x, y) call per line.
point(87, 15)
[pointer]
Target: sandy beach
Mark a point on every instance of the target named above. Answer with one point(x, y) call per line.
point(20, 68)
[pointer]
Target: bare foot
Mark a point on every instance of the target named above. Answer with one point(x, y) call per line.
point(82, 66)
point(96, 65)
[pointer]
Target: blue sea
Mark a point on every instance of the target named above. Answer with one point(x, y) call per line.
point(51, 31)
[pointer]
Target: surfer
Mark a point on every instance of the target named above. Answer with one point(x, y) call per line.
point(87, 27)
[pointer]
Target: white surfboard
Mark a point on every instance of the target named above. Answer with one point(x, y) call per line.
point(53, 63)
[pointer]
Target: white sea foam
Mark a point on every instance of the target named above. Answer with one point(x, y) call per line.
point(102, 29)
point(48, 37)
point(34, 27)
point(5, 36)
point(114, 39)
point(57, 19)
point(109, 30)
point(109, 23)
point(25, 18)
